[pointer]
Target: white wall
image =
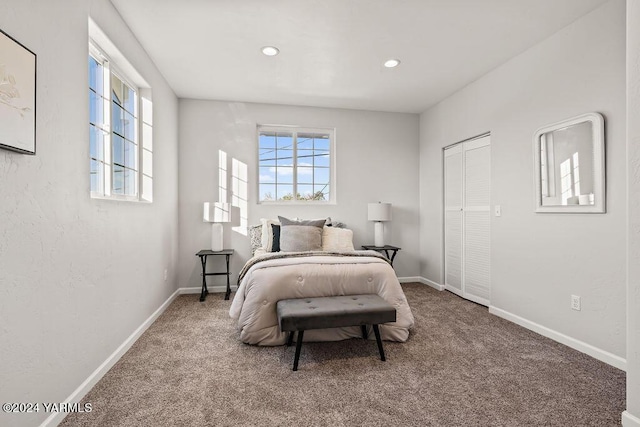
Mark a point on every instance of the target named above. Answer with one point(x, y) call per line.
point(633, 192)
point(539, 260)
point(77, 276)
point(377, 160)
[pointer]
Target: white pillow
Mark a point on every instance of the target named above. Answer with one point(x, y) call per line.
point(337, 239)
point(267, 233)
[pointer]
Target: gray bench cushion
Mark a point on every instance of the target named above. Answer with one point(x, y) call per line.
point(333, 312)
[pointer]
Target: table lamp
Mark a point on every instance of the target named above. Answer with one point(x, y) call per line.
point(379, 212)
point(217, 213)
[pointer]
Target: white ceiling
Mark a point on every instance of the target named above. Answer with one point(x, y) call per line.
point(332, 51)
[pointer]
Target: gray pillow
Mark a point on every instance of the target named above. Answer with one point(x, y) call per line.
point(296, 236)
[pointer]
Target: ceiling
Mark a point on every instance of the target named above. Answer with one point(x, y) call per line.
point(332, 51)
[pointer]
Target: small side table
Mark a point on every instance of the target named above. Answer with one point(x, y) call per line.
point(386, 248)
point(203, 254)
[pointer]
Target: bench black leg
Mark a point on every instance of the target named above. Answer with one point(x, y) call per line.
point(364, 331)
point(298, 346)
point(377, 332)
point(290, 338)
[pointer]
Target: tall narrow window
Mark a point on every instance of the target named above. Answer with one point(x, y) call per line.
point(295, 164)
point(124, 138)
point(121, 166)
point(99, 125)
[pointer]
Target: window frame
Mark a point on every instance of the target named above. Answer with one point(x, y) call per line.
point(111, 69)
point(295, 131)
point(136, 116)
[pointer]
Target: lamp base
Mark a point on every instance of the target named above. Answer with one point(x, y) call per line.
point(216, 237)
point(378, 234)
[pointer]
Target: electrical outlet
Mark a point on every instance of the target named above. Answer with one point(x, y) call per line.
point(165, 274)
point(498, 210)
point(575, 302)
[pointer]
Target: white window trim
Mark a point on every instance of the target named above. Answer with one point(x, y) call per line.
point(98, 53)
point(332, 164)
point(106, 187)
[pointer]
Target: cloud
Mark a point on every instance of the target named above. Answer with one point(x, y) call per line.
point(287, 170)
point(283, 170)
point(305, 168)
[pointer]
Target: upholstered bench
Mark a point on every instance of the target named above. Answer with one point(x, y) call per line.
point(301, 314)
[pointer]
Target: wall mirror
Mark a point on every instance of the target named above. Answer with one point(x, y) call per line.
point(570, 166)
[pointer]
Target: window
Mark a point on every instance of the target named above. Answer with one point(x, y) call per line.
point(295, 164)
point(119, 120)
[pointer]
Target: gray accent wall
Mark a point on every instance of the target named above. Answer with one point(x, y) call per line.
point(539, 260)
point(376, 160)
point(77, 276)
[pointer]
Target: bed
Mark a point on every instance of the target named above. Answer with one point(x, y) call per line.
point(277, 272)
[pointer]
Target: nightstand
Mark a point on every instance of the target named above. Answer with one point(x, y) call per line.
point(203, 254)
point(386, 249)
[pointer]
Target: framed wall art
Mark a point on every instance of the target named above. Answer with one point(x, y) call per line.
point(17, 96)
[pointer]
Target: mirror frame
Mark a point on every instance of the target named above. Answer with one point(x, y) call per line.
point(599, 183)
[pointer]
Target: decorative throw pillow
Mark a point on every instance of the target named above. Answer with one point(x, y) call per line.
point(296, 236)
point(275, 232)
point(337, 239)
point(255, 234)
point(267, 234)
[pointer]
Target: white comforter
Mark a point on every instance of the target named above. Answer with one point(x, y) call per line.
point(273, 278)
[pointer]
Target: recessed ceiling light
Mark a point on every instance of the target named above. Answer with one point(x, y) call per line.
point(270, 50)
point(392, 63)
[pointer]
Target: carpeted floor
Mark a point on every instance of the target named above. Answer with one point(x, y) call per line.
point(460, 367)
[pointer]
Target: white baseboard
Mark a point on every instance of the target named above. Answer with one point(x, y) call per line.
point(77, 395)
point(411, 279)
point(583, 347)
point(629, 420)
point(422, 280)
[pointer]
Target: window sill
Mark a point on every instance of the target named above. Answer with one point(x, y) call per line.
point(297, 203)
point(119, 198)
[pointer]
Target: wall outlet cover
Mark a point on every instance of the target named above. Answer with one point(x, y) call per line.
point(575, 302)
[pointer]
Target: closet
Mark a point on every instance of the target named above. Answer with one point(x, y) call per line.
point(467, 185)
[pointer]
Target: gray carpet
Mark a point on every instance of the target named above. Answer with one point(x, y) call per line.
point(460, 367)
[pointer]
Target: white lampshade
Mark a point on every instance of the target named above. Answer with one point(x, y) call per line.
point(217, 212)
point(379, 211)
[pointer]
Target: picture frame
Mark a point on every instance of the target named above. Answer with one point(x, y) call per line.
point(17, 96)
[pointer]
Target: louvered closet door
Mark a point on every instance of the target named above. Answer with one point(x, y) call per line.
point(453, 219)
point(476, 220)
